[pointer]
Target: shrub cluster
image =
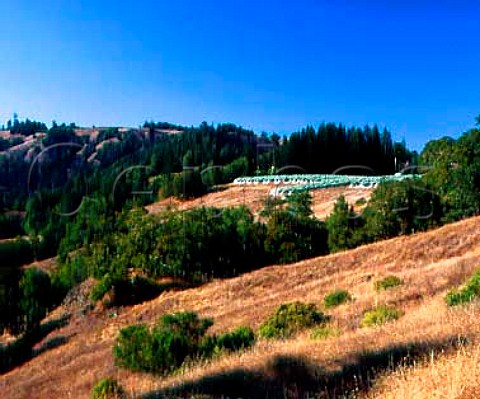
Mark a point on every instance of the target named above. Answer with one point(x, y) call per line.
point(380, 315)
point(290, 318)
point(336, 298)
point(238, 339)
point(467, 293)
point(108, 388)
point(172, 340)
point(387, 283)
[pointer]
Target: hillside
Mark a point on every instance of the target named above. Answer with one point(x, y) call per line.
point(253, 196)
point(73, 357)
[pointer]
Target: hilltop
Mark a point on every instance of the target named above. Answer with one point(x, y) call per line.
point(74, 356)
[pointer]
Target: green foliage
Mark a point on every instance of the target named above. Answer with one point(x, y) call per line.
point(360, 202)
point(404, 207)
point(163, 348)
point(134, 349)
point(195, 245)
point(380, 315)
point(330, 146)
point(108, 388)
point(26, 127)
point(300, 204)
point(102, 287)
point(24, 300)
point(290, 318)
point(70, 273)
point(291, 237)
point(172, 340)
point(35, 297)
point(271, 205)
point(459, 297)
point(468, 293)
point(186, 323)
point(340, 226)
point(388, 282)
point(452, 172)
point(324, 332)
point(9, 299)
point(240, 338)
point(15, 252)
point(336, 298)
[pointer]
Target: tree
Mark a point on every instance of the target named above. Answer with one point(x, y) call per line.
point(300, 203)
point(292, 234)
point(35, 288)
point(338, 226)
point(397, 208)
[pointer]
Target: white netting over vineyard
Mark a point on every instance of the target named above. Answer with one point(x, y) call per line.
point(286, 184)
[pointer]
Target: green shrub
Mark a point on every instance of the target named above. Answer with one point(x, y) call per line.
point(185, 323)
point(164, 347)
point(108, 388)
point(380, 315)
point(458, 297)
point(467, 293)
point(101, 288)
point(324, 332)
point(290, 318)
point(208, 347)
point(336, 298)
point(387, 283)
point(134, 347)
point(240, 338)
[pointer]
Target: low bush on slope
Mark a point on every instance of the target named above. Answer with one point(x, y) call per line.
point(388, 282)
point(468, 293)
point(108, 388)
point(290, 318)
point(336, 298)
point(172, 340)
point(380, 315)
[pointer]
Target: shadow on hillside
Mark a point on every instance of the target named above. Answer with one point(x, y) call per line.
point(52, 343)
point(295, 377)
point(21, 350)
point(139, 290)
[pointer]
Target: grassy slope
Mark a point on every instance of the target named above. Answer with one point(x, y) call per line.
point(253, 196)
point(430, 263)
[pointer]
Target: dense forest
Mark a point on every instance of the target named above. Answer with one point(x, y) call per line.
point(68, 194)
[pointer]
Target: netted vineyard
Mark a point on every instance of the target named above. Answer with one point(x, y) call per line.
point(286, 184)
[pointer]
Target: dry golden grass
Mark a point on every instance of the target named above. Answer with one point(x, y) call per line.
point(429, 263)
point(452, 376)
point(253, 196)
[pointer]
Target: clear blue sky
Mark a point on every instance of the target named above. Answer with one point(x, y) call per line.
point(412, 66)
